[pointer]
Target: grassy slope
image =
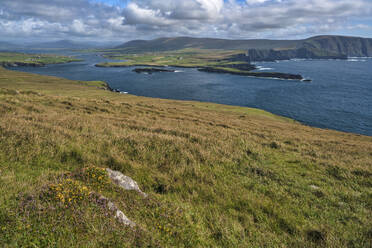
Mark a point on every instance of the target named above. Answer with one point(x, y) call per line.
point(216, 175)
point(33, 59)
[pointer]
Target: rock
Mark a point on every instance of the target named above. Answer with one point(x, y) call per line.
point(124, 182)
point(151, 70)
point(314, 187)
point(118, 214)
point(306, 80)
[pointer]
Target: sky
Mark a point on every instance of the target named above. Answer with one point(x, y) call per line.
point(123, 20)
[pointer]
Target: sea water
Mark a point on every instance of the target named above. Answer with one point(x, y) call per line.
point(339, 96)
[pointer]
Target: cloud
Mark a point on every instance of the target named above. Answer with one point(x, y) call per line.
point(54, 19)
point(89, 19)
point(244, 19)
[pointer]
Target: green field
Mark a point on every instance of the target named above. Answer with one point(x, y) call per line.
point(216, 175)
point(14, 59)
point(181, 58)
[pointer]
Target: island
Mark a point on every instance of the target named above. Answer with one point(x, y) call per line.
point(274, 75)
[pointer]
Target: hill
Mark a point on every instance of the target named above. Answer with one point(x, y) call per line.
point(213, 175)
point(178, 43)
point(59, 44)
point(68, 44)
point(324, 47)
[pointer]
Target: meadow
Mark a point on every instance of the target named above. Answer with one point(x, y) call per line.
point(215, 175)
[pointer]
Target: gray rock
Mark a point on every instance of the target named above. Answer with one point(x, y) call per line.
point(118, 214)
point(314, 187)
point(124, 182)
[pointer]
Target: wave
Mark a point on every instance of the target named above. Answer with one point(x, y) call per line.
point(265, 68)
point(356, 60)
point(298, 59)
point(359, 57)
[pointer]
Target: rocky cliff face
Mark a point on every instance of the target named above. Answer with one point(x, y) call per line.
point(300, 53)
point(349, 46)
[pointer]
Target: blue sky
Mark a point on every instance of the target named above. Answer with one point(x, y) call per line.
point(122, 20)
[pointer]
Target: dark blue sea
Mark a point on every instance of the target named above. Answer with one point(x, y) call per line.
point(339, 97)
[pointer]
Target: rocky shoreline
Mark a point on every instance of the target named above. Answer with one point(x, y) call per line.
point(16, 64)
point(32, 64)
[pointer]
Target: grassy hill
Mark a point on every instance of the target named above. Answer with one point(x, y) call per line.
point(178, 43)
point(216, 175)
point(327, 44)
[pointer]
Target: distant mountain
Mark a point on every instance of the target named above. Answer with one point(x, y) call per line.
point(68, 44)
point(169, 44)
point(7, 46)
point(60, 44)
point(333, 47)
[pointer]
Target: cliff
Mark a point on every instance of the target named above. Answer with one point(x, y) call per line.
point(349, 46)
point(300, 53)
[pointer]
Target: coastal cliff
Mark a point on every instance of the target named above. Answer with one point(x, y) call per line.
point(274, 55)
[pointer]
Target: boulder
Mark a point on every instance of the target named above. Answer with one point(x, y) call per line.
point(111, 207)
point(124, 182)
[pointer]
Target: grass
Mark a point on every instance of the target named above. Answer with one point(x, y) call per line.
point(33, 59)
point(181, 58)
point(216, 175)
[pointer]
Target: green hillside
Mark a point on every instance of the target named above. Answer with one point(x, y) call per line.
point(178, 43)
point(215, 175)
point(328, 44)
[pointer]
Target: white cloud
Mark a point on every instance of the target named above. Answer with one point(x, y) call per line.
point(256, 1)
point(153, 18)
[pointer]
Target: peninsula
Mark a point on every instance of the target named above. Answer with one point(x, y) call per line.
point(11, 59)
